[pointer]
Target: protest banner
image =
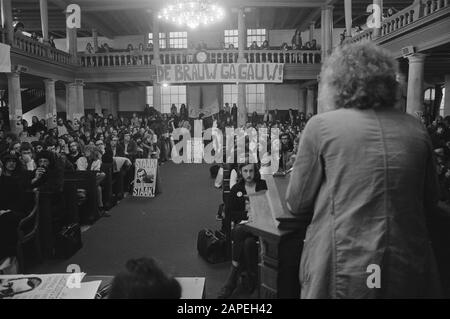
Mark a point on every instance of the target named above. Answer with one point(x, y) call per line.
point(223, 73)
point(145, 177)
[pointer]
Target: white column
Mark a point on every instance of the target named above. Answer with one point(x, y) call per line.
point(71, 38)
point(310, 100)
point(115, 103)
point(157, 97)
point(155, 31)
point(80, 100)
point(302, 100)
point(14, 102)
point(414, 102)
point(322, 33)
point(242, 105)
point(74, 101)
point(328, 30)
point(97, 102)
point(44, 19)
point(378, 3)
point(348, 17)
point(50, 103)
point(95, 39)
point(312, 29)
point(242, 35)
point(447, 95)
point(7, 19)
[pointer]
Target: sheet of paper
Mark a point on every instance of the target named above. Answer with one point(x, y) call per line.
point(32, 286)
point(87, 290)
point(191, 287)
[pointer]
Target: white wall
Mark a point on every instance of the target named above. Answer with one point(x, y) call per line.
point(132, 100)
point(278, 37)
point(38, 111)
point(282, 96)
point(123, 41)
point(212, 38)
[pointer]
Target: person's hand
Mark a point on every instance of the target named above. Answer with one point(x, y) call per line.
point(26, 158)
point(247, 206)
point(4, 211)
point(40, 171)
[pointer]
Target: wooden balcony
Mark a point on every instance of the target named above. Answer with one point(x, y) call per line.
point(424, 24)
point(35, 48)
point(45, 61)
point(142, 58)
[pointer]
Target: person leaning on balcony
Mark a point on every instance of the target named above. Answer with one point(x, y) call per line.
point(254, 46)
point(89, 48)
point(297, 39)
point(19, 28)
point(265, 45)
point(51, 41)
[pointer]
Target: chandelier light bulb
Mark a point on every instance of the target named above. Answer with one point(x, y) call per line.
point(192, 13)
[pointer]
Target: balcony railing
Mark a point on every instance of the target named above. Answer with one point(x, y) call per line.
point(399, 20)
point(35, 48)
point(403, 18)
point(139, 58)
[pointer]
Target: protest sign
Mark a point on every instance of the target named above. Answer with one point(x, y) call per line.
point(145, 177)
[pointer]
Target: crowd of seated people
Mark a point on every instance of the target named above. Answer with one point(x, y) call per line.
point(439, 130)
point(41, 158)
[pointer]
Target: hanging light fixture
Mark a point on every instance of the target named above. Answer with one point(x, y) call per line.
point(192, 12)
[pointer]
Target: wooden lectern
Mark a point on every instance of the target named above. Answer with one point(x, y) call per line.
point(281, 243)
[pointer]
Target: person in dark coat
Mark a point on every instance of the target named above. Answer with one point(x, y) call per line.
point(12, 204)
point(244, 250)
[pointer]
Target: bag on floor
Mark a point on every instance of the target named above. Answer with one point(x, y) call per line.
point(213, 170)
point(211, 247)
point(68, 241)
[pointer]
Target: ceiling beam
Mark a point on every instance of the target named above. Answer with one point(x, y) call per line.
point(314, 16)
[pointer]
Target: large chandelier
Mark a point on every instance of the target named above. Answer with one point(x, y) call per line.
point(192, 12)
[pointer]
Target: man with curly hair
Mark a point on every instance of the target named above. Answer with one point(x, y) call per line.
point(365, 174)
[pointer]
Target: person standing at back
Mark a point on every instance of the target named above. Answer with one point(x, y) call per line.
point(365, 174)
